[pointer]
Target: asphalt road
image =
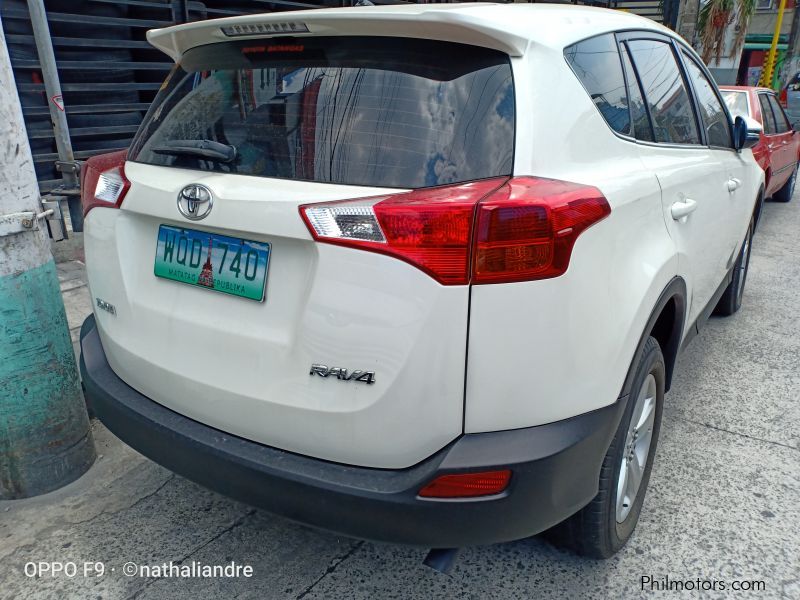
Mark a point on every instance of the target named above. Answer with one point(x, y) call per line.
point(723, 503)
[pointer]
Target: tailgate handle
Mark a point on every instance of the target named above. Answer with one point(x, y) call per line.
point(682, 209)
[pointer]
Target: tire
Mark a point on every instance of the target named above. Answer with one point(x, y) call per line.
point(603, 527)
point(731, 300)
point(785, 193)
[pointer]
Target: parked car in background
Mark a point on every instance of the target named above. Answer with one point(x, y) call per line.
point(426, 291)
point(779, 149)
point(790, 98)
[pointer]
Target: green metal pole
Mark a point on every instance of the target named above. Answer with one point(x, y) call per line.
point(45, 440)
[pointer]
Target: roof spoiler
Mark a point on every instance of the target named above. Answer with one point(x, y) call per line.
point(417, 21)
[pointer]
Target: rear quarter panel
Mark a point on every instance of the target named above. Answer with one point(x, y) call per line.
point(547, 350)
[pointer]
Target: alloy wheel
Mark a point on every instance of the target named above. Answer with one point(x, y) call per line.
point(637, 448)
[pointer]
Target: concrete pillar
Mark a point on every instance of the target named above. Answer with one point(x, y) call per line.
point(45, 440)
point(687, 21)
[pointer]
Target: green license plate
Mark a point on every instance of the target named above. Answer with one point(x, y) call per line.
point(212, 261)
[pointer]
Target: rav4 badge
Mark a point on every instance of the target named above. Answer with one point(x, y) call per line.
point(342, 373)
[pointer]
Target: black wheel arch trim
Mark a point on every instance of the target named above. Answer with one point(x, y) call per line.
point(759, 205)
point(674, 291)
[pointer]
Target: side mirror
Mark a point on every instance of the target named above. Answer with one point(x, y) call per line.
point(746, 133)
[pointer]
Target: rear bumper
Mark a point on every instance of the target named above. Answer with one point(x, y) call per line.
point(555, 470)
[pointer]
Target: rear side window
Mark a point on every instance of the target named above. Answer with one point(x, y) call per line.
point(665, 92)
point(712, 114)
point(596, 63)
point(781, 122)
point(370, 111)
point(767, 118)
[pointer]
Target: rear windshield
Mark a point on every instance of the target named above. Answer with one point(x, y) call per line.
point(737, 103)
point(359, 110)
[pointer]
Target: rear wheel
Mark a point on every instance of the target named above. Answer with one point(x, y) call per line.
point(603, 527)
point(731, 300)
point(785, 193)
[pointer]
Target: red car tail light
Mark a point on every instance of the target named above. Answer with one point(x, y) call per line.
point(783, 98)
point(527, 228)
point(467, 485)
point(488, 231)
point(103, 181)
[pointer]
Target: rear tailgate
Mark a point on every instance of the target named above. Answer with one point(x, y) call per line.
point(310, 123)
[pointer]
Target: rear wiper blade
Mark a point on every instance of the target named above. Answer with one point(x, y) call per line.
point(203, 148)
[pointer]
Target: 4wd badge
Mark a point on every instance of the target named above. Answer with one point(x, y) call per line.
point(342, 373)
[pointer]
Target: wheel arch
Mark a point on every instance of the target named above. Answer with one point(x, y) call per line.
point(665, 324)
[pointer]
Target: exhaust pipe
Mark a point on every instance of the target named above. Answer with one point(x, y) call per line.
point(441, 559)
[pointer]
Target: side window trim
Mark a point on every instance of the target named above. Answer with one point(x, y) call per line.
point(680, 49)
point(623, 47)
point(687, 81)
point(620, 50)
point(632, 134)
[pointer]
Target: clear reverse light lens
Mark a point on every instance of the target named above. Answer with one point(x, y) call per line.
point(109, 186)
point(257, 28)
point(346, 222)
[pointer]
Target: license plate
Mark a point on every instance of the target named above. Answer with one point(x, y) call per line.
point(212, 261)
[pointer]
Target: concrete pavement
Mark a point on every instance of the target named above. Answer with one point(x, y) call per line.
point(723, 503)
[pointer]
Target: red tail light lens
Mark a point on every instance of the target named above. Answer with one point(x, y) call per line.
point(527, 228)
point(490, 231)
point(783, 98)
point(103, 181)
point(467, 485)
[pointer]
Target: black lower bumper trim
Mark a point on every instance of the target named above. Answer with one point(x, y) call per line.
point(555, 470)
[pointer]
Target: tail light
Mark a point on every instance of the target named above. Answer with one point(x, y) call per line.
point(467, 485)
point(489, 231)
point(103, 181)
point(783, 98)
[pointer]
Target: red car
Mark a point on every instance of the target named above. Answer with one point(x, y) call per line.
point(779, 149)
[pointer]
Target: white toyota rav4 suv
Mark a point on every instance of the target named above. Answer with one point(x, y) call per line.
point(417, 274)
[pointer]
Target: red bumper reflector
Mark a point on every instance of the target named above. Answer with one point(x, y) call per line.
point(467, 485)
